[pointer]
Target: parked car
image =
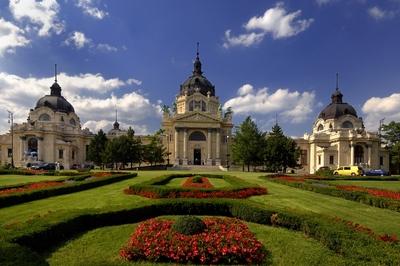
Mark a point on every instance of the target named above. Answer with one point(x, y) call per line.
point(37, 166)
point(48, 166)
point(376, 172)
point(349, 170)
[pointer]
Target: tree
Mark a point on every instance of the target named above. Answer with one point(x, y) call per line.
point(96, 148)
point(134, 146)
point(247, 145)
point(391, 137)
point(280, 151)
point(117, 151)
point(154, 152)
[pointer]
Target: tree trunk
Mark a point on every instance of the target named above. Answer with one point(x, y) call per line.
point(248, 167)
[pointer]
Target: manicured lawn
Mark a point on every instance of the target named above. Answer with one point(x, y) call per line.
point(6, 180)
point(216, 182)
point(390, 185)
point(101, 246)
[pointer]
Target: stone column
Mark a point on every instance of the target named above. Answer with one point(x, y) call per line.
point(22, 148)
point(185, 158)
point(338, 154)
point(176, 148)
point(218, 147)
point(40, 151)
point(369, 147)
point(351, 153)
point(209, 160)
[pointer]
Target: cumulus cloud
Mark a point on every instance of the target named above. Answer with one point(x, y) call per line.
point(77, 39)
point(276, 21)
point(20, 94)
point(11, 37)
point(293, 105)
point(377, 108)
point(89, 8)
point(43, 15)
point(104, 47)
point(246, 39)
point(323, 2)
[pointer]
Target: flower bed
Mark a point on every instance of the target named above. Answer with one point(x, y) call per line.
point(205, 183)
point(201, 194)
point(375, 197)
point(30, 187)
point(372, 191)
point(225, 241)
point(290, 178)
point(363, 229)
point(155, 188)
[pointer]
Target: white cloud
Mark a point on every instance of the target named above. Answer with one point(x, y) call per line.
point(88, 7)
point(10, 37)
point(245, 89)
point(377, 108)
point(134, 81)
point(246, 39)
point(106, 47)
point(378, 13)
point(20, 94)
point(323, 2)
point(106, 125)
point(295, 106)
point(78, 39)
point(276, 21)
point(43, 14)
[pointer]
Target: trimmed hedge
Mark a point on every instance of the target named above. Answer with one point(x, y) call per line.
point(358, 196)
point(157, 185)
point(42, 234)
point(81, 184)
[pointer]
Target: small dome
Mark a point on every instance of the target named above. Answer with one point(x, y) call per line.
point(337, 108)
point(56, 103)
point(55, 100)
point(197, 80)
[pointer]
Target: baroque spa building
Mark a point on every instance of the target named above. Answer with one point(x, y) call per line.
point(196, 130)
point(339, 138)
point(52, 133)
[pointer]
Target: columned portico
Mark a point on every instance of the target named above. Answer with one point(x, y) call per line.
point(176, 145)
point(185, 141)
point(209, 160)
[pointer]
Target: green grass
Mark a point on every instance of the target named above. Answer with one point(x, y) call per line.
point(286, 247)
point(280, 197)
point(390, 185)
point(6, 180)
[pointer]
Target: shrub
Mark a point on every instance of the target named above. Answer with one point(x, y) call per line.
point(189, 225)
point(197, 179)
point(324, 172)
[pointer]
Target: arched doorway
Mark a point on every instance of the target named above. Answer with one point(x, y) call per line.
point(197, 136)
point(33, 147)
point(358, 154)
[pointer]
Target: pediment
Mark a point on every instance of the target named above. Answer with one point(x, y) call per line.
point(196, 117)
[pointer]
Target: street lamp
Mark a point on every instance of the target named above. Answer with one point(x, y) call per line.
point(11, 122)
point(227, 152)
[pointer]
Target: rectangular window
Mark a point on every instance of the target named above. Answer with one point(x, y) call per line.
point(60, 154)
point(9, 153)
point(381, 160)
point(73, 155)
point(331, 159)
point(346, 168)
point(319, 159)
point(303, 157)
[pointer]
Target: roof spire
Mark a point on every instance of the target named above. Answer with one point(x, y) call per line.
point(197, 63)
point(337, 80)
point(55, 72)
point(116, 124)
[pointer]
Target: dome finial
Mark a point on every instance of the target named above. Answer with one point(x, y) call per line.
point(116, 124)
point(197, 63)
point(337, 81)
point(55, 72)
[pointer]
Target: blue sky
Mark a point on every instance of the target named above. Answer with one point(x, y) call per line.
point(264, 57)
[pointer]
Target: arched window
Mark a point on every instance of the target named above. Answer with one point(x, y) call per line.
point(203, 106)
point(44, 117)
point(347, 124)
point(191, 106)
point(72, 122)
point(197, 136)
point(320, 127)
point(32, 145)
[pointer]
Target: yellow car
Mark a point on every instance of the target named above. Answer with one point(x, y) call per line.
point(348, 170)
